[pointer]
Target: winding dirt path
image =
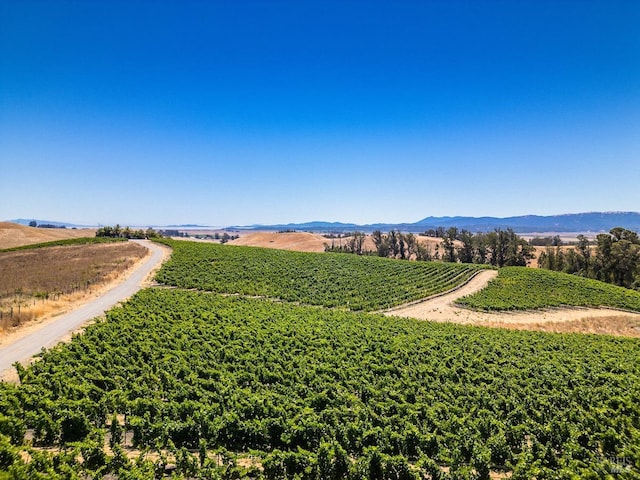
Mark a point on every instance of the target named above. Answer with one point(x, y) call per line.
point(584, 320)
point(23, 344)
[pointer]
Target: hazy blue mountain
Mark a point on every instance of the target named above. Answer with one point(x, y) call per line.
point(572, 222)
point(27, 221)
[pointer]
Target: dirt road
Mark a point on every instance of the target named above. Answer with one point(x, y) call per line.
point(49, 333)
point(585, 320)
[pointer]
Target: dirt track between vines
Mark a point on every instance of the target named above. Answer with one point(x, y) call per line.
point(568, 319)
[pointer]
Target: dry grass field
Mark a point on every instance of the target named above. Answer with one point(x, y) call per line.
point(43, 281)
point(622, 325)
point(298, 241)
point(308, 242)
point(14, 235)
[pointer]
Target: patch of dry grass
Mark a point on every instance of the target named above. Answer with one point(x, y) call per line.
point(14, 235)
point(36, 283)
point(620, 326)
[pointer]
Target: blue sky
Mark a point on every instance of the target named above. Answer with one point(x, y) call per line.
point(232, 113)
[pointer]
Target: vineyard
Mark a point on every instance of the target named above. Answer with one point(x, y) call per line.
point(328, 280)
point(518, 288)
point(203, 384)
point(305, 388)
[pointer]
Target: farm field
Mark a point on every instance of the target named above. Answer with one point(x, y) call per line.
point(241, 371)
point(308, 391)
point(329, 280)
point(518, 288)
point(39, 280)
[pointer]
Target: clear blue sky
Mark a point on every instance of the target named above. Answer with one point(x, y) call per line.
point(227, 113)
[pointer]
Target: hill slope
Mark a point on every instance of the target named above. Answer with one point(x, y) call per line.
point(14, 235)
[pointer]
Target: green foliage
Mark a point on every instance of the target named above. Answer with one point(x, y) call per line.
point(521, 288)
point(126, 233)
point(67, 242)
point(322, 393)
point(615, 259)
point(301, 381)
point(326, 279)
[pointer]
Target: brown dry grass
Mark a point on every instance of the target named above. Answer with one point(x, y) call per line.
point(14, 235)
point(298, 241)
point(617, 325)
point(309, 242)
point(36, 283)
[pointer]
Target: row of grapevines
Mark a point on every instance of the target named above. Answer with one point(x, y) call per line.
point(188, 369)
point(520, 288)
point(330, 280)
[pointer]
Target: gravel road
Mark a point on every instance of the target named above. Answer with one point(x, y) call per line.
point(23, 348)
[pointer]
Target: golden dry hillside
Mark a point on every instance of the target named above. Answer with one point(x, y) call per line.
point(298, 241)
point(14, 235)
point(308, 242)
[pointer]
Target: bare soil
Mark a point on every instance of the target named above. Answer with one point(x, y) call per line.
point(566, 320)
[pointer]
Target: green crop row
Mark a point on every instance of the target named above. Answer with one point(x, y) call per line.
point(188, 369)
point(520, 288)
point(326, 279)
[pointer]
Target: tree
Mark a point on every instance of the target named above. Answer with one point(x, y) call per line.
point(33, 223)
point(423, 252)
point(448, 245)
point(466, 251)
point(412, 245)
point(393, 244)
point(356, 243)
point(481, 247)
point(381, 243)
point(584, 255)
point(616, 259)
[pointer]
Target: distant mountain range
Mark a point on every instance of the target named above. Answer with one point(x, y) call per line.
point(27, 221)
point(573, 222)
point(594, 222)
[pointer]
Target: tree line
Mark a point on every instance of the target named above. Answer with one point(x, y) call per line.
point(614, 258)
point(126, 232)
point(499, 248)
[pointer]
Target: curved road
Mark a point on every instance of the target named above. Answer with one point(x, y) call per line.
point(26, 347)
point(443, 309)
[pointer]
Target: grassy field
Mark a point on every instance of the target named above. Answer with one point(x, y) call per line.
point(330, 280)
point(32, 278)
point(519, 288)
